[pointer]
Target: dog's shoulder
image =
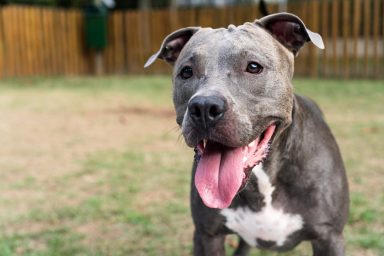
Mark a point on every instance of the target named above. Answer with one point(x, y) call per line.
point(307, 105)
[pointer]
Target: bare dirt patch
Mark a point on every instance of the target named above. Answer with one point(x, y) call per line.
point(39, 145)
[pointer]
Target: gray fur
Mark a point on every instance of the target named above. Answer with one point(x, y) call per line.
point(304, 163)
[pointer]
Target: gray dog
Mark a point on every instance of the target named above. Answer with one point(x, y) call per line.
point(266, 166)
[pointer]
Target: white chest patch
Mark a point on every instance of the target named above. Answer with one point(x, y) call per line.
point(269, 224)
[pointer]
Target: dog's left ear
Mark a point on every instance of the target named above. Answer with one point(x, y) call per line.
point(290, 31)
point(172, 45)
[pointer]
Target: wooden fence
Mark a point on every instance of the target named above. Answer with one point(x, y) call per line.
point(42, 41)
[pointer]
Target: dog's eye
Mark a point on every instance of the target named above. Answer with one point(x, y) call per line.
point(254, 68)
point(186, 72)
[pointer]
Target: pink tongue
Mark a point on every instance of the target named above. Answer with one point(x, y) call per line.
point(219, 175)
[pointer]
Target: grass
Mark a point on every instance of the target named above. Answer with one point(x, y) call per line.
point(96, 166)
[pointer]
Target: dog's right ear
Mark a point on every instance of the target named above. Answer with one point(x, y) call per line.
point(172, 45)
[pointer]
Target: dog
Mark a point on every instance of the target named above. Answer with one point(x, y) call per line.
point(266, 166)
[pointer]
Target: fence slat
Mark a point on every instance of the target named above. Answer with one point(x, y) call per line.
point(315, 27)
point(23, 33)
point(145, 37)
point(50, 42)
point(305, 51)
point(366, 36)
point(12, 41)
point(381, 63)
point(356, 26)
point(9, 30)
point(44, 43)
point(346, 20)
point(6, 34)
point(33, 63)
point(376, 11)
point(38, 42)
point(2, 46)
point(335, 36)
point(71, 25)
point(133, 52)
point(324, 34)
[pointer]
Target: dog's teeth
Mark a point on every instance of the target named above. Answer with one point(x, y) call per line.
point(204, 143)
point(245, 159)
point(251, 144)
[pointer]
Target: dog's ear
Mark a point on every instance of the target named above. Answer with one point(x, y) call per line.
point(290, 31)
point(172, 45)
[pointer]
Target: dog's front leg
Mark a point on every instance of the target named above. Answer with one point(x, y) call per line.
point(242, 249)
point(207, 245)
point(332, 246)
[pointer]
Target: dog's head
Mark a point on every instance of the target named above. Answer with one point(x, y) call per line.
point(233, 95)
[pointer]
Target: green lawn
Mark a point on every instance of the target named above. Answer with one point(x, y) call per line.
point(97, 166)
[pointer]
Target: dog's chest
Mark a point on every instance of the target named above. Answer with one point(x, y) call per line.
point(269, 225)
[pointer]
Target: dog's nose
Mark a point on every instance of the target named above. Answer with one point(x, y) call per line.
point(206, 110)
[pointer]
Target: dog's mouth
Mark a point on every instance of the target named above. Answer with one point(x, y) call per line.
point(222, 170)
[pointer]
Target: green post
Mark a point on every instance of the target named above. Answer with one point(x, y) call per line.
point(96, 34)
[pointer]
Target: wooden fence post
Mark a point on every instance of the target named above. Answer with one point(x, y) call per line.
point(335, 35)
point(315, 27)
point(376, 16)
point(2, 39)
point(324, 34)
point(366, 36)
point(355, 25)
point(346, 22)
